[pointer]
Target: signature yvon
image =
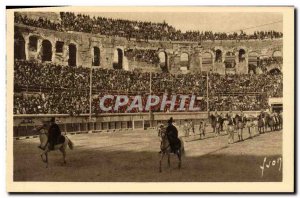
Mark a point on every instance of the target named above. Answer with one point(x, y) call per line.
point(271, 163)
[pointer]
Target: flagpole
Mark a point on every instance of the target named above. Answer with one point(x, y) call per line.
point(207, 99)
point(90, 116)
point(150, 91)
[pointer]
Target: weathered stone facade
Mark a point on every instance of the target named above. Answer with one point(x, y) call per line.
point(201, 57)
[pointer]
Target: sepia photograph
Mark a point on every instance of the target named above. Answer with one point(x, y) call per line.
point(150, 99)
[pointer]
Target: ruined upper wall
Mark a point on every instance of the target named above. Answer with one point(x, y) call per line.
point(197, 52)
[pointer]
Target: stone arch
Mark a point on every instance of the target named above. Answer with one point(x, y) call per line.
point(163, 60)
point(19, 46)
point(184, 59)
point(72, 61)
point(46, 51)
point(229, 59)
point(253, 61)
point(33, 43)
point(207, 57)
point(219, 56)
point(96, 56)
point(241, 55)
point(118, 59)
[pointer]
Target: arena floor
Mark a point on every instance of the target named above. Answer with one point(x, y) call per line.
point(133, 156)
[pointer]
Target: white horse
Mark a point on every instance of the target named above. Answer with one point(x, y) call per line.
point(62, 147)
point(166, 149)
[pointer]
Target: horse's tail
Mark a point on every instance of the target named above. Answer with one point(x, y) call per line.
point(182, 147)
point(70, 143)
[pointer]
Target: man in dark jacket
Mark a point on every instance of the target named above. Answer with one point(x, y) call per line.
point(172, 134)
point(53, 135)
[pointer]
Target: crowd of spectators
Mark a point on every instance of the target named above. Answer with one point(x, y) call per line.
point(72, 102)
point(135, 29)
point(245, 83)
point(48, 88)
point(142, 55)
point(41, 22)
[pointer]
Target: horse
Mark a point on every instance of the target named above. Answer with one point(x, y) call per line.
point(166, 149)
point(270, 122)
point(217, 128)
point(64, 142)
point(261, 124)
point(250, 123)
point(279, 117)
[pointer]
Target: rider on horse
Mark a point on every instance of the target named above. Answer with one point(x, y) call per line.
point(172, 135)
point(54, 134)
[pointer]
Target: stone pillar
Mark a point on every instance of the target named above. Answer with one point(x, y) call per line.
point(26, 38)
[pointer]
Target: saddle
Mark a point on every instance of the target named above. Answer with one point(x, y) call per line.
point(175, 144)
point(60, 140)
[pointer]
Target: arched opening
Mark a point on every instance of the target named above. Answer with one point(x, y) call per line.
point(19, 47)
point(253, 62)
point(72, 55)
point(59, 47)
point(229, 60)
point(184, 60)
point(118, 59)
point(46, 51)
point(207, 58)
point(163, 63)
point(242, 54)
point(33, 43)
point(218, 56)
point(277, 57)
point(96, 58)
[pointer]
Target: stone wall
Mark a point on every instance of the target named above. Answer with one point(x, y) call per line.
point(85, 44)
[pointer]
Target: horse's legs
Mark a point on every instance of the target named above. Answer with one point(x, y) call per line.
point(179, 158)
point(238, 133)
point(249, 130)
point(46, 154)
point(62, 149)
point(242, 134)
point(169, 164)
point(161, 157)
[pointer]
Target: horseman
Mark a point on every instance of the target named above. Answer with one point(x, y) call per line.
point(262, 116)
point(221, 121)
point(172, 134)
point(54, 134)
point(212, 119)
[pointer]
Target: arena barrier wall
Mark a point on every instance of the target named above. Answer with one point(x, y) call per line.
point(109, 122)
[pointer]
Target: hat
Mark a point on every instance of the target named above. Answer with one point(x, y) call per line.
point(170, 120)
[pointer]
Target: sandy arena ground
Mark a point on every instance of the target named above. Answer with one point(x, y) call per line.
point(133, 156)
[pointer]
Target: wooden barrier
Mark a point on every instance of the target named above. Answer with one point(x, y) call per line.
point(24, 124)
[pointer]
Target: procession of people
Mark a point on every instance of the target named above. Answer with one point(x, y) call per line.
point(231, 123)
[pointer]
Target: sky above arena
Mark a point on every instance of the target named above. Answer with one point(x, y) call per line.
point(216, 22)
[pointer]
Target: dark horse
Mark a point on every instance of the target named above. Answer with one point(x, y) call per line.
point(166, 149)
